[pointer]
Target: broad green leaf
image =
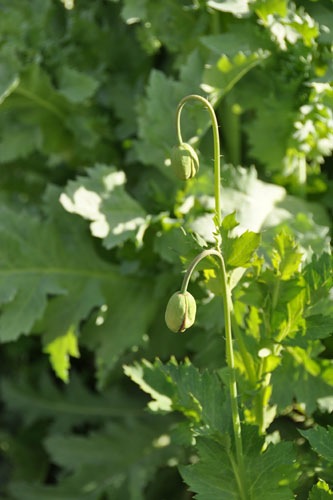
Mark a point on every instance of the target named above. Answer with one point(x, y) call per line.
point(122, 322)
point(18, 142)
point(242, 37)
point(75, 85)
point(240, 250)
point(237, 250)
point(101, 198)
point(319, 326)
point(68, 405)
point(41, 258)
point(156, 120)
point(213, 475)
point(174, 245)
point(224, 75)
point(181, 387)
point(321, 440)
point(299, 378)
point(102, 463)
point(56, 125)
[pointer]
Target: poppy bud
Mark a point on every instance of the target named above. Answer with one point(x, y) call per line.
point(180, 311)
point(184, 161)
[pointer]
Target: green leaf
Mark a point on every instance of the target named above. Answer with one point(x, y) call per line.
point(70, 405)
point(299, 378)
point(37, 261)
point(264, 8)
point(238, 251)
point(59, 350)
point(229, 223)
point(320, 491)
point(222, 77)
point(75, 85)
point(286, 258)
point(319, 326)
point(122, 322)
point(213, 475)
point(42, 259)
point(241, 37)
point(181, 387)
point(321, 440)
point(101, 198)
point(56, 125)
point(158, 108)
point(101, 462)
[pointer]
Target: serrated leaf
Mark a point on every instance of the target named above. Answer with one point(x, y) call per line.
point(229, 223)
point(101, 198)
point(28, 277)
point(101, 462)
point(237, 250)
point(183, 388)
point(155, 142)
point(57, 125)
point(60, 350)
point(321, 491)
point(242, 248)
point(213, 476)
point(39, 260)
point(321, 440)
point(286, 258)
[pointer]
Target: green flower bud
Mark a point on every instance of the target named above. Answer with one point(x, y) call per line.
point(184, 161)
point(180, 311)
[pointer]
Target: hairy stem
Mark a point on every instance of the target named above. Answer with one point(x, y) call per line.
point(217, 168)
point(227, 305)
point(226, 291)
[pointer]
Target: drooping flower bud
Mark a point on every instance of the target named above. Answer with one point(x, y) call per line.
point(184, 161)
point(180, 311)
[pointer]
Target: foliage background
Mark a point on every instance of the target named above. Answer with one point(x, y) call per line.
point(92, 222)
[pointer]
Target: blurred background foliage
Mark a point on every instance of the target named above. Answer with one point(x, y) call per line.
point(94, 229)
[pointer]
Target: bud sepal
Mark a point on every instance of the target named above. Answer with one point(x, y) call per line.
point(180, 311)
point(184, 161)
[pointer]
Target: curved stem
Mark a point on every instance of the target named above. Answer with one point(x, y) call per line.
point(217, 168)
point(227, 305)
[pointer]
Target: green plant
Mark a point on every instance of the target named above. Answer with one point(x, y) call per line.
point(227, 304)
point(269, 303)
point(95, 230)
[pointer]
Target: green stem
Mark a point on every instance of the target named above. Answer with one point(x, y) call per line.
point(226, 291)
point(227, 305)
point(217, 168)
